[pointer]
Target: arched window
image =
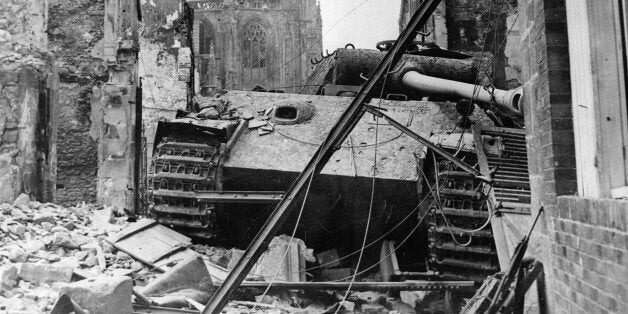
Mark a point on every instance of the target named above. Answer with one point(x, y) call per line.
point(256, 4)
point(254, 49)
point(206, 38)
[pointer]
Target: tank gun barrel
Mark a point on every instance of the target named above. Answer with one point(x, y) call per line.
point(509, 99)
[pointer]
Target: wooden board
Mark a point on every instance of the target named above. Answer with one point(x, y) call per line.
point(152, 244)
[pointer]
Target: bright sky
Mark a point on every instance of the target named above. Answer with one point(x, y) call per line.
point(372, 22)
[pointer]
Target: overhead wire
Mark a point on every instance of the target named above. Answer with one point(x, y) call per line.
point(393, 251)
point(446, 220)
point(294, 231)
point(370, 212)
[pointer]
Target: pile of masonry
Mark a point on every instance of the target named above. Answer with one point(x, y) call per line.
point(53, 257)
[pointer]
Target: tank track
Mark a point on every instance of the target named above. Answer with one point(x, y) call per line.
point(464, 206)
point(184, 164)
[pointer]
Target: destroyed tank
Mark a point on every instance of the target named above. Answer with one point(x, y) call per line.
point(198, 187)
point(427, 71)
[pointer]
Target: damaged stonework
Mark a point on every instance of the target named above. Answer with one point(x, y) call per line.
point(165, 65)
point(114, 108)
point(75, 35)
point(28, 85)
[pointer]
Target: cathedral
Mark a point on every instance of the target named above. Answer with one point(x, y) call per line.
point(239, 44)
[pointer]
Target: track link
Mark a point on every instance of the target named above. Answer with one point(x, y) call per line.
point(453, 252)
point(181, 165)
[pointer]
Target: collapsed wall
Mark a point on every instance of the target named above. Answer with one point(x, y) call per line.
point(75, 35)
point(164, 65)
point(28, 87)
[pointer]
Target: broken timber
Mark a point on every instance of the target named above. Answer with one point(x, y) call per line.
point(152, 244)
point(333, 142)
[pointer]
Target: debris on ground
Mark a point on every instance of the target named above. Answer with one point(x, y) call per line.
point(91, 258)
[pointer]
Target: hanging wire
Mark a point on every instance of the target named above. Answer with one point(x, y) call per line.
point(395, 249)
point(450, 226)
point(294, 231)
point(368, 222)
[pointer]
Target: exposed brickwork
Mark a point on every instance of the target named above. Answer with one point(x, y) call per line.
point(543, 58)
point(547, 100)
point(589, 256)
point(75, 33)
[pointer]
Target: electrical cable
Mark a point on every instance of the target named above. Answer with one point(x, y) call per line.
point(392, 251)
point(446, 220)
point(343, 146)
point(294, 231)
point(368, 222)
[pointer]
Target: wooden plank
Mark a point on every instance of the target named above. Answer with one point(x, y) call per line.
point(173, 234)
point(132, 229)
point(606, 62)
point(503, 255)
point(152, 243)
point(621, 16)
point(583, 104)
point(144, 246)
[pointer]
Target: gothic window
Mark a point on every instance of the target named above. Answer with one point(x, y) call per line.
point(257, 4)
point(254, 50)
point(206, 38)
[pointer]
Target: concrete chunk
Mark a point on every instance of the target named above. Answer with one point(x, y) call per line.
point(17, 254)
point(46, 272)
point(102, 294)
point(44, 217)
point(8, 277)
point(63, 239)
point(23, 199)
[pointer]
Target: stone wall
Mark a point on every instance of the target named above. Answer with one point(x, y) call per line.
point(486, 28)
point(75, 35)
point(28, 86)
point(589, 256)
point(114, 108)
point(160, 41)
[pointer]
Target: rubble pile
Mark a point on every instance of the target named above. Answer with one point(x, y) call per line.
point(44, 247)
point(54, 257)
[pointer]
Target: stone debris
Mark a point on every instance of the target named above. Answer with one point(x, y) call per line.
point(8, 277)
point(44, 272)
point(43, 245)
point(102, 295)
point(60, 256)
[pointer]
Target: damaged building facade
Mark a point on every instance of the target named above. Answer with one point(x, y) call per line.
point(200, 115)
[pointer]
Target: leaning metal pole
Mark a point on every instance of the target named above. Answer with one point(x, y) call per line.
point(334, 140)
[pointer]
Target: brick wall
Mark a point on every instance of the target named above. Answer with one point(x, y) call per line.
point(547, 93)
point(544, 62)
point(589, 256)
